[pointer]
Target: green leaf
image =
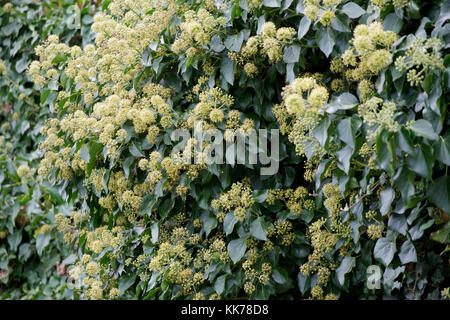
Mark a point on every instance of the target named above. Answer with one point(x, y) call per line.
point(352, 10)
point(234, 42)
point(42, 241)
point(94, 149)
point(384, 251)
point(303, 283)
point(404, 141)
point(392, 22)
point(272, 3)
point(258, 229)
point(442, 235)
point(135, 151)
point(425, 129)
point(22, 64)
point(303, 27)
point(236, 249)
point(422, 161)
point(14, 240)
point(325, 38)
point(280, 275)
point(291, 54)
point(209, 222)
point(345, 267)
point(439, 193)
point(155, 232)
point(398, 223)
point(384, 152)
point(320, 132)
point(344, 155)
point(344, 101)
point(404, 181)
point(219, 285)
point(386, 198)
point(443, 150)
point(227, 70)
point(126, 281)
point(229, 222)
point(346, 131)
point(165, 207)
point(407, 253)
point(216, 44)
point(260, 195)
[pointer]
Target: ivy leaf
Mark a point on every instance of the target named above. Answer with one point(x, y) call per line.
point(234, 42)
point(155, 232)
point(236, 249)
point(386, 198)
point(291, 54)
point(384, 251)
point(280, 275)
point(439, 193)
point(94, 149)
point(344, 156)
point(229, 222)
point(260, 195)
point(345, 267)
point(352, 10)
point(422, 161)
point(14, 240)
point(404, 141)
point(135, 151)
point(219, 285)
point(398, 223)
point(42, 241)
point(303, 283)
point(407, 253)
point(227, 70)
point(165, 207)
point(392, 22)
point(346, 129)
point(303, 27)
point(320, 132)
point(209, 222)
point(125, 282)
point(216, 44)
point(443, 150)
point(425, 129)
point(344, 101)
point(258, 229)
point(325, 38)
point(22, 64)
point(272, 3)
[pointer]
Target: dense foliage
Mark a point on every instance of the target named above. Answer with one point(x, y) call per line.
point(357, 90)
point(32, 253)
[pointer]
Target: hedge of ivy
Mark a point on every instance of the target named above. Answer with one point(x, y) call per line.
point(358, 91)
point(30, 248)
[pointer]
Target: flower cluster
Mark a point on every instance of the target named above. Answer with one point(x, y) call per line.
point(269, 43)
point(295, 200)
point(238, 199)
point(196, 31)
point(421, 57)
point(378, 114)
point(183, 266)
point(384, 3)
point(368, 53)
point(322, 10)
point(300, 112)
